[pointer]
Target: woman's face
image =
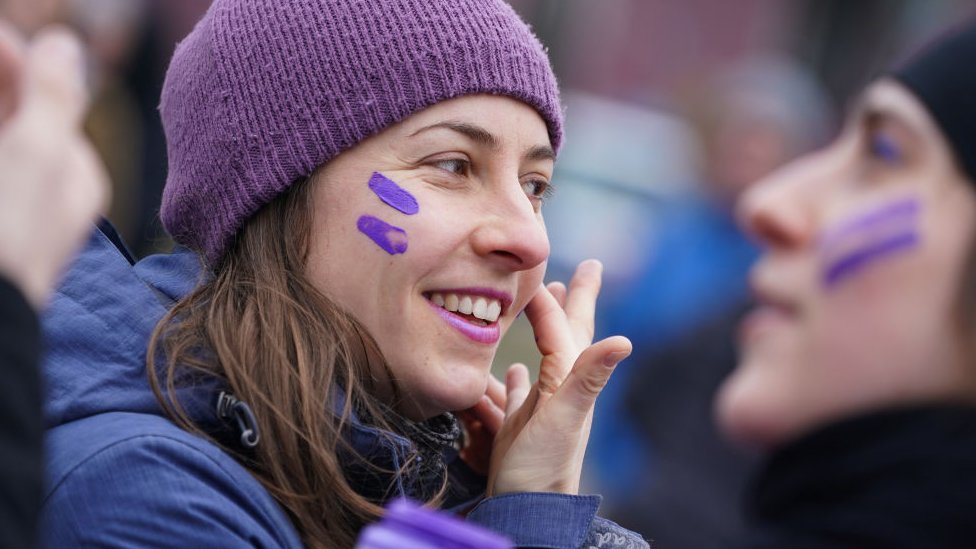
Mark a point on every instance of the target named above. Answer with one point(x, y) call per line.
point(865, 247)
point(431, 235)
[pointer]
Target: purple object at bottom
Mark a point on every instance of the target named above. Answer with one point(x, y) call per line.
point(407, 525)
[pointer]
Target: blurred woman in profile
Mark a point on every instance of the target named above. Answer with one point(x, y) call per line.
point(857, 369)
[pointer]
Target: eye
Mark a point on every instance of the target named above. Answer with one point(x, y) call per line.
point(457, 166)
point(883, 147)
point(537, 188)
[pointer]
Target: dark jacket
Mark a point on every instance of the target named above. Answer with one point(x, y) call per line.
point(898, 478)
point(121, 474)
point(20, 419)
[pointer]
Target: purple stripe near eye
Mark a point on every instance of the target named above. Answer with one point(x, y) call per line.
point(392, 239)
point(902, 209)
point(392, 194)
point(856, 259)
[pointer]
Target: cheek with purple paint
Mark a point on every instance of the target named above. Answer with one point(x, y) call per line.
point(390, 238)
point(868, 238)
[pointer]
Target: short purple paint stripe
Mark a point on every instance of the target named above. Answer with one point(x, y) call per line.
point(392, 239)
point(854, 260)
point(393, 195)
point(903, 209)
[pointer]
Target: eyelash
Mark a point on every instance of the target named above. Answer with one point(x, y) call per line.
point(541, 195)
point(461, 167)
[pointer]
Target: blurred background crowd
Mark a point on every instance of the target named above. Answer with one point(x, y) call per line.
point(673, 108)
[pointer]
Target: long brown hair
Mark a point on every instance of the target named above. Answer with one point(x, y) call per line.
point(292, 355)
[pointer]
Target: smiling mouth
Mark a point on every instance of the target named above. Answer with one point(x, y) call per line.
point(476, 309)
point(475, 316)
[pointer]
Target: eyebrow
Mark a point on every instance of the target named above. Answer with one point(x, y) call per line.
point(484, 137)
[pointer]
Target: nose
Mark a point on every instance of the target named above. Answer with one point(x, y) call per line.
point(781, 210)
point(511, 232)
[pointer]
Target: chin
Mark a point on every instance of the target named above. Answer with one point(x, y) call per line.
point(746, 418)
point(445, 397)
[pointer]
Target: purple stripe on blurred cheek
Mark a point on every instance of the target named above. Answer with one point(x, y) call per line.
point(393, 240)
point(857, 258)
point(905, 210)
point(393, 195)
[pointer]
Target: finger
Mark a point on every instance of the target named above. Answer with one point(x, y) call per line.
point(11, 69)
point(496, 391)
point(558, 291)
point(552, 333)
point(584, 288)
point(574, 400)
point(54, 97)
point(517, 385)
point(485, 412)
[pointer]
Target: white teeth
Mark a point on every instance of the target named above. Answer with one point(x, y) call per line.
point(494, 310)
point(480, 307)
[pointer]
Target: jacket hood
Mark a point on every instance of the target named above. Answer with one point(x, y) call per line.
point(98, 325)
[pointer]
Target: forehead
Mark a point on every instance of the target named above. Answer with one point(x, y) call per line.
point(504, 118)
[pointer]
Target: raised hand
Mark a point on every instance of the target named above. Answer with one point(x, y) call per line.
point(545, 426)
point(51, 184)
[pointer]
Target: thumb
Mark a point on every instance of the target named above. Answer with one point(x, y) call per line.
point(590, 375)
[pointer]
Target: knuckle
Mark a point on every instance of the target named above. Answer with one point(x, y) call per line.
point(591, 385)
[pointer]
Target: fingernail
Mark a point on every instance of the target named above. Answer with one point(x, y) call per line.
point(613, 359)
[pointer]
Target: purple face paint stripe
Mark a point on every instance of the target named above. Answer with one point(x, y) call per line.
point(392, 239)
point(393, 195)
point(853, 261)
point(905, 209)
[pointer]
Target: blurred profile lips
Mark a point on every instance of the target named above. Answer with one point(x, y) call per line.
point(771, 308)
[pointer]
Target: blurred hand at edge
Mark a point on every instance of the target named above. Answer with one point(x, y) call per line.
point(52, 184)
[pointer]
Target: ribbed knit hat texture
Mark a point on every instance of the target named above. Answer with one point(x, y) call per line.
point(262, 92)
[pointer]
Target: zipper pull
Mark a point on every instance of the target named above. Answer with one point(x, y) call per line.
point(231, 407)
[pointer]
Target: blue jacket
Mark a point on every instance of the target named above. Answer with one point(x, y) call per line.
point(120, 474)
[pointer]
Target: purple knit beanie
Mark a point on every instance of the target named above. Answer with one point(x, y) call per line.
point(263, 92)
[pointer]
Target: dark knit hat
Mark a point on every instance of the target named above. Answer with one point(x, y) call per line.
point(942, 77)
point(263, 92)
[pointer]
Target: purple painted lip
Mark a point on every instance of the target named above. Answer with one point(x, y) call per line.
point(489, 334)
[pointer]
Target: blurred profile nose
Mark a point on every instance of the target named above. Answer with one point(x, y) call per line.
point(780, 210)
point(511, 232)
